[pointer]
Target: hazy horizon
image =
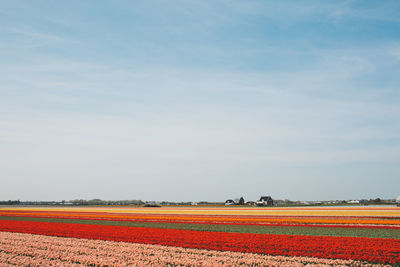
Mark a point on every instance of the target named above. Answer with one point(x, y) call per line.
point(199, 100)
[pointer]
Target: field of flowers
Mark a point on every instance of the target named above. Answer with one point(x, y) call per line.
point(39, 250)
point(190, 236)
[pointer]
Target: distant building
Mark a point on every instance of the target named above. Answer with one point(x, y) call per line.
point(265, 201)
point(353, 201)
point(229, 202)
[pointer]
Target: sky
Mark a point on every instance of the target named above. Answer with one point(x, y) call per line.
point(199, 100)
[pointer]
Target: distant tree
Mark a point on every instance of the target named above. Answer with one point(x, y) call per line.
point(241, 201)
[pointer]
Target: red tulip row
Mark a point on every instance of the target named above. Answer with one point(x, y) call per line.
point(354, 248)
point(20, 249)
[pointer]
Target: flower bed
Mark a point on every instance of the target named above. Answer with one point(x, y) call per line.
point(353, 248)
point(38, 250)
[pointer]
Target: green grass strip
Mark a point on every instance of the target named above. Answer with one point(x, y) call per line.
point(257, 229)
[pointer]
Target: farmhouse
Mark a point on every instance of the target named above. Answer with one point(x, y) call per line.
point(265, 201)
point(229, 202)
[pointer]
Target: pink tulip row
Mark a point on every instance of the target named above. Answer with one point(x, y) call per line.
point(38, 250)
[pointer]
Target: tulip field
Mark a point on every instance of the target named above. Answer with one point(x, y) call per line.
point(199, 236)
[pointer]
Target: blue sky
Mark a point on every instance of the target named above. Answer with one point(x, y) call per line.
point(199, 100)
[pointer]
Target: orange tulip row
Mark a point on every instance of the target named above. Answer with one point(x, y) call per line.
point(253, 219)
